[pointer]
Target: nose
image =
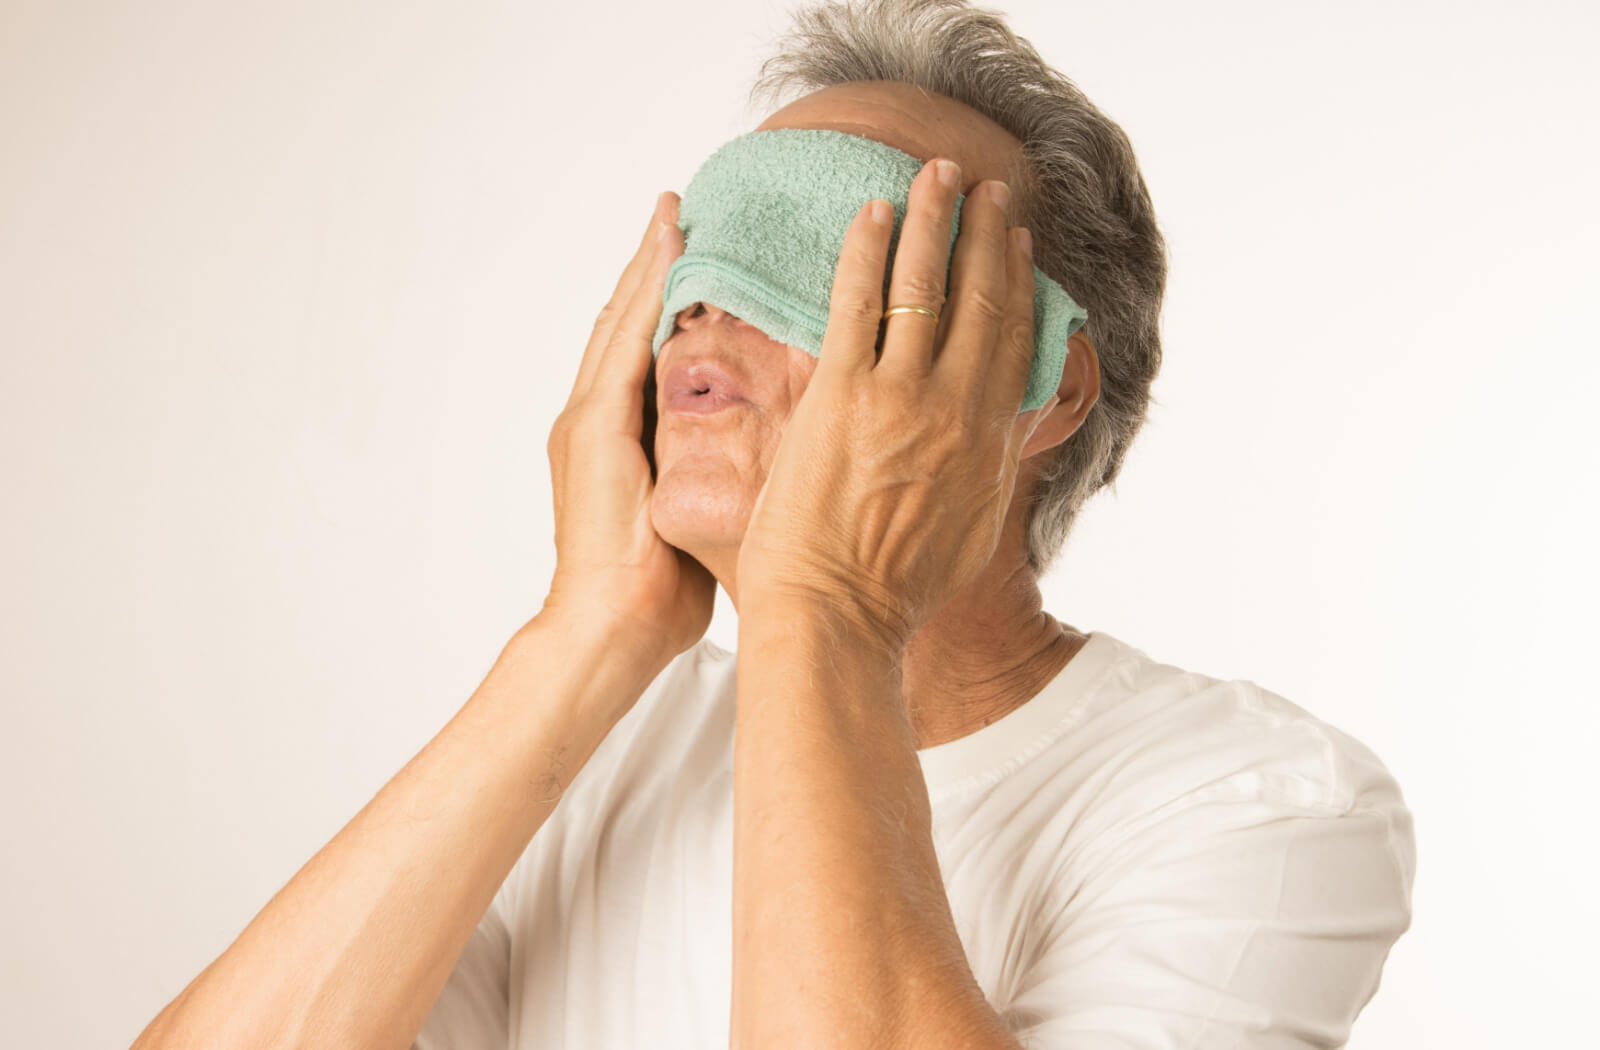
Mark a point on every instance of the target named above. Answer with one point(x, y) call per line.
point(696, 314)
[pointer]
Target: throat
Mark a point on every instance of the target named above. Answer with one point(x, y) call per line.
point(948, 700)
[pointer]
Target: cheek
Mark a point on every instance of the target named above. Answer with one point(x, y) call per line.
point(801, 368)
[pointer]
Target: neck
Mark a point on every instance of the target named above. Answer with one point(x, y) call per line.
point(990, 650)
point(985, 654)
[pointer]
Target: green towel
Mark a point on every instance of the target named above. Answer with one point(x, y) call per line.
point(764, 220)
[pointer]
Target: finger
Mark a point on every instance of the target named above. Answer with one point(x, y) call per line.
point(980, 285)
point(638, 267)
point(625, 359)
point(1023, 426)
point(1011, 362)
point(1013, 359)
point(921, 259)
point(855, 303)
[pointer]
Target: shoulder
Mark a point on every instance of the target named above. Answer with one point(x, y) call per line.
point(1241, 861)
point(1167, 751)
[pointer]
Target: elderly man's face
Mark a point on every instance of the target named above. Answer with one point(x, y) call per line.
point(711, 466)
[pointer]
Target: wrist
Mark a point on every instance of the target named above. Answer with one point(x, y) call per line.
point(593, 662)
point(598, 635)
point(836, 621)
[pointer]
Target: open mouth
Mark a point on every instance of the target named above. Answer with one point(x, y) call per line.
point(699, 401)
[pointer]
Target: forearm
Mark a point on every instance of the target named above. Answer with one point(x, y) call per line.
point(357, 947)
point(843, 934)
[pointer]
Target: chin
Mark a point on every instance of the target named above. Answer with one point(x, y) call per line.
point(700, 506)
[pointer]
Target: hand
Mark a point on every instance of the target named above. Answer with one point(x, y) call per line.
point(610, 561)
point(892, 480)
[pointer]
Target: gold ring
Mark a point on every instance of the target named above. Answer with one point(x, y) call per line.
point(911, 310)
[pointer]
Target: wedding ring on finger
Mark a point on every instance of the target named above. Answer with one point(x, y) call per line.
point(911, 310)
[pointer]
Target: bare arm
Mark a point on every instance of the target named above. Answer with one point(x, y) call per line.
point(355, 951)
point(357, 947)
point(832, 818)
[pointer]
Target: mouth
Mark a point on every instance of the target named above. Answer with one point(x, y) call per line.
point(699, 387)
point(693, 401)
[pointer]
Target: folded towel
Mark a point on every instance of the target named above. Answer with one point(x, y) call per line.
point(764, 220)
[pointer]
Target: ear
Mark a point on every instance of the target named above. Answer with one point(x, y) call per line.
point(1078, 391)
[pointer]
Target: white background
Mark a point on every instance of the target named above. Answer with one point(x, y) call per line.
point(291, 292)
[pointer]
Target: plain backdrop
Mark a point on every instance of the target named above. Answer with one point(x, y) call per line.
point(291, 292)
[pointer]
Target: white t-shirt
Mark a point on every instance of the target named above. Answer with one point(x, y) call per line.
point(1139, 857)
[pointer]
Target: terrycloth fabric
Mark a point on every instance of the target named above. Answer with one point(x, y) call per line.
point(764, 220)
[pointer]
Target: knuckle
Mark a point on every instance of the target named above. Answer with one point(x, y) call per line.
point(566, 426)
point(855, 305)
point(617, 310)
point(557, 438)
point(926, 290)
point(987, 303)
point(865, 257)
point(958, 430)
point(1018, 334)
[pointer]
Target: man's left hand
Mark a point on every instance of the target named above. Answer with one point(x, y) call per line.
point(889, 488)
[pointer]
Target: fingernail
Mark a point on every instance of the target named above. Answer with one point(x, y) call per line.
point(949, 173)
point(1026, 240)
point(661, 205)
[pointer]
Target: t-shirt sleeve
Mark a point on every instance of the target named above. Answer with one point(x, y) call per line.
point(474, 1010)
point(1228, 918)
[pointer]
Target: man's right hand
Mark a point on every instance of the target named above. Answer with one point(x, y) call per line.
point(610, 561)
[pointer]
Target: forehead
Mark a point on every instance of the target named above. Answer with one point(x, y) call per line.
point(918, 122)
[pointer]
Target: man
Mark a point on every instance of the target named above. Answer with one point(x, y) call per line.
point(914, 809)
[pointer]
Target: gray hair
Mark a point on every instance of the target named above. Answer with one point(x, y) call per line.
point(1081, 194)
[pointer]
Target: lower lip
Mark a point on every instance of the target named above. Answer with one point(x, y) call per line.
point(700, 404)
